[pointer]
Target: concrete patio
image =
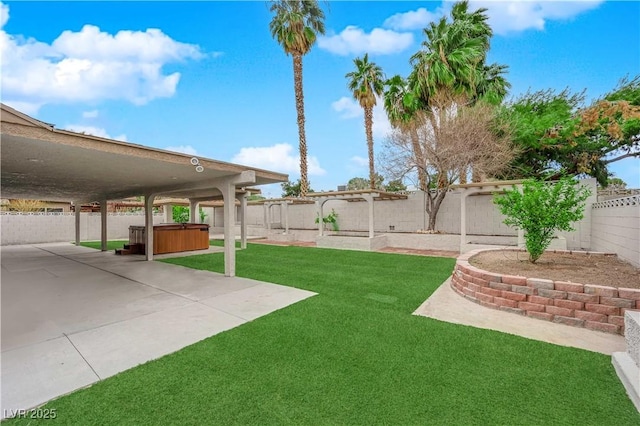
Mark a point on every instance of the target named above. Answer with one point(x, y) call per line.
point(72, 316)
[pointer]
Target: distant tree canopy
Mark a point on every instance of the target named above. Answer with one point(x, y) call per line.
point(557, 135)
point(395, 185)
point(616, 182)
point(358, 183)
point(293, 189)
point(22, 205)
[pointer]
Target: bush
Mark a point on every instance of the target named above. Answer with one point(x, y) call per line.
point(181, 214)
point(541, 208)
point(331, 218)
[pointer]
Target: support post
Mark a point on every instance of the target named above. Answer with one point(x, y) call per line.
point(228, 190)
point(193, 210)
point(521, 243)
point(78, 207)
point(227, 187)
point(103, 225)
point(264, 215)
point(319, 205)
point(463, 219)
point(167, 211)
point(148, 225)
point(369, 199)
point(243, 221)
point(285, 211)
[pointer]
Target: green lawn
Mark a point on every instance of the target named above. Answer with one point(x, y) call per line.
point(354, 354)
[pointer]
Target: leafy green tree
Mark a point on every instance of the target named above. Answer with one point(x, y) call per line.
point(296, 25)
point(181, 214)
point(293, 189)
point(541, 208)
point(401, 105)
point(533, 116)
point(450, 91)
point(358, 183)
point(366, 83)
point(558, 135)
point(616, 182)
point(395, 185)
point(450, 70)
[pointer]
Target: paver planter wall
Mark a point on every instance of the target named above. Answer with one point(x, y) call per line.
point(595, 307)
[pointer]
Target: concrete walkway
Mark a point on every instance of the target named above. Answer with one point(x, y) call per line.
point(446, 305)
point(72, 316)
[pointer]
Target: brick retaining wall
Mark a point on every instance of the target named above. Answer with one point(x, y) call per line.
point(581, 305)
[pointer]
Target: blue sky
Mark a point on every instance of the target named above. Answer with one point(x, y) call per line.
point(206, 78)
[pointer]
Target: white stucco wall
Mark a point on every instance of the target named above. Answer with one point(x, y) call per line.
point(615, 227)
point(483, 217)
point(49, 228)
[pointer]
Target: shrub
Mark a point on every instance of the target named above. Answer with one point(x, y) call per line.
point(541, 208)
point(181, 214)
point(331, 218)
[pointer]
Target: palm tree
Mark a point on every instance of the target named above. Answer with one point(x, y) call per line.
point(366, 83)
point(449, 61)
point(401, 105)
point(295, 25)
point(450, 69)
point(491, 85)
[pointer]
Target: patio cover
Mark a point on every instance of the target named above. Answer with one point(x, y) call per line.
point(41, 162)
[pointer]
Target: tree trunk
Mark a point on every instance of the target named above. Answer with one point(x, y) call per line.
point(368, 124)
point(297, 82)
point(463, 175)
point(434, 201)
point(477, 176)
point(420, 161)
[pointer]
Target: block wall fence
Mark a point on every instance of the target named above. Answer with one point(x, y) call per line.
point(60, 227)
point(615, 227)
point(608, 226)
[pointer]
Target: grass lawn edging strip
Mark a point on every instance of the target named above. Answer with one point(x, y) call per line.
point(595, 307)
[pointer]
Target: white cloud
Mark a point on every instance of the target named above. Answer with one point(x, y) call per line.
point(89, 65)
point(90, 114)
point(4, 14)
point(359, 162)
point(354, 41)
point(349, 108)
point(413, 20)
point(513, 16)
point(95, 131)
point(29, 108)
point(279, 158)
point(184, 149)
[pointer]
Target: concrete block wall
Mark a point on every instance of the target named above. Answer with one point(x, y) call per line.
point(484, 217)
point(615, 227)
point(51, 227)
point(400, 216)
